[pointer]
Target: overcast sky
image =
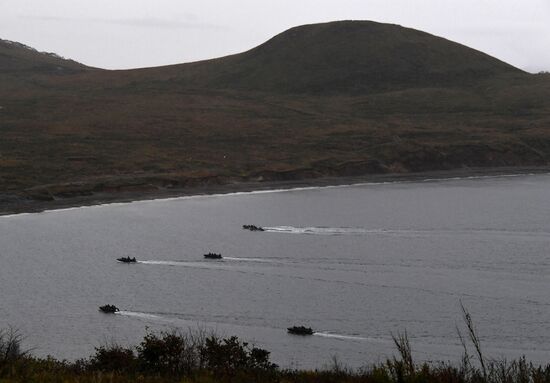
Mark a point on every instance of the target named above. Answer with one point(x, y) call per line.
point(137, 33)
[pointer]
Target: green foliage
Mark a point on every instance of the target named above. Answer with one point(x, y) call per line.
point(28, 369)
point(229, 357)
point(169, 352)
point(112, 359)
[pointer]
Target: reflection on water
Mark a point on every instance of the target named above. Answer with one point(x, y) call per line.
point(357, 264)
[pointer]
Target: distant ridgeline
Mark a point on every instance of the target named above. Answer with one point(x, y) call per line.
point(16, 58)
point(348, 57)
point(335, 99)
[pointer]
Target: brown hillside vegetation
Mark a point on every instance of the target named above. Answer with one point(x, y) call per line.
point(342, 98)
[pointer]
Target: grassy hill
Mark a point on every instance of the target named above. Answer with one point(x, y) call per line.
point(335, 99)
point(19, 59)
point(346, 57)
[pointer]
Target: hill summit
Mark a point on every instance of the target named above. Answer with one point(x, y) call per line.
point(347, 56)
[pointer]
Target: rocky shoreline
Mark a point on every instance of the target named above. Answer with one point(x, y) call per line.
point(52, 197)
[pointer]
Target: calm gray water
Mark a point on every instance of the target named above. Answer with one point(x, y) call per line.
point(355, 263)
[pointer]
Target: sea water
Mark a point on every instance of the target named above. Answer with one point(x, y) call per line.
point(358, 264)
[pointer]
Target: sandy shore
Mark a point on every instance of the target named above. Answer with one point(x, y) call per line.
point(17, 206)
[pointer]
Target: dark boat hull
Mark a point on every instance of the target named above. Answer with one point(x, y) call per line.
point(253, 228)
point(300, 330)
point(127, 260)
point(109, 309)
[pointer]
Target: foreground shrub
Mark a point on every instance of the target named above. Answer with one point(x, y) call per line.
point(10, 346)
point(228, 357)
point(170, 352)
point(113, 358)
point(172, 357)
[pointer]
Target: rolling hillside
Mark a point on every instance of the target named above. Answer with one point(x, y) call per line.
point(334, 99)
point(17, 58)
point(346, 57)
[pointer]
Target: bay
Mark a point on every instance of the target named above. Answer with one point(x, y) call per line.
point(355, 263)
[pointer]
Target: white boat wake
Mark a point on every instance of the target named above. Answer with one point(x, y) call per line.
point(321, 230)
point(260, 260)
point(348, 337)
point(138, 315)
point(154, 317)
point(163, 263)
point(204, 262)
point(398, 232)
